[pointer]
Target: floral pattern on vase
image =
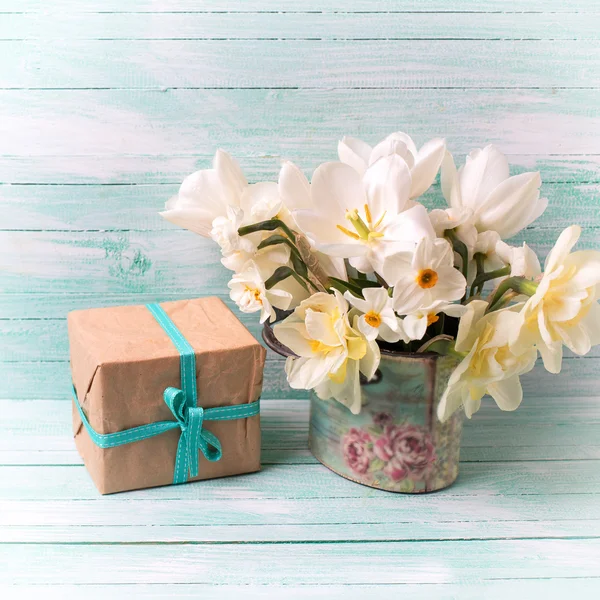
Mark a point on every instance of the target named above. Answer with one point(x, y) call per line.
point(396, 443)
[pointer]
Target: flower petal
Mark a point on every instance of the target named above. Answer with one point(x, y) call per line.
point(507, 393)
point(481, 173)
point(354, 152)
point(566, 240)
point(294, 188)
point(512, 205)
point(427, 164)
point(336, 188)
point(387, 183)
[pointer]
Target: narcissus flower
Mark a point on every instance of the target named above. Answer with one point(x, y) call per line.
point(330, 353)
point(416, 323)
point(422, 278)
point(206, 194)
point(378, 318)
point(248, 291)
point(423, 164)
point(564, 308)
point(489, 366)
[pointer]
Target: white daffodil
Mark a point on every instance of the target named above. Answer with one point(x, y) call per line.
point(225, 232)
point(498, 201)
point(248, 291)
point(206, 194)
point(489, 366)
point(564, 308)
point(363, 219)
point(378, 318)
point(422, 278)
point(423, 164)
point(344, 386)
point(416, 323)
point(328, 350)
point(523, 260)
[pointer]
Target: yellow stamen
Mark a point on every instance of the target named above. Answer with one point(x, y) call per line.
point(373, 319)
point(319, 347)
point(373, 235)
point(255, 293)
point(361, 227)
point(351, 234)
point(431, 319)
point(379, 220)
point(426, 278)
point(368, 214)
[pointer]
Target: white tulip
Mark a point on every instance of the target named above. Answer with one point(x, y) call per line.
point(247, 290)
point(206, 194)
point(378, 318)
point(489, 366)
point(423, 164)
point(564, 308)
point(416, 323)
point(294, 190)
point(422, 278)
point(499, 202)
point(363, 219)
point(329, 352)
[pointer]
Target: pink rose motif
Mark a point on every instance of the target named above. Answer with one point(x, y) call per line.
point(358, 450)
point(383, 419)
point(407, 451)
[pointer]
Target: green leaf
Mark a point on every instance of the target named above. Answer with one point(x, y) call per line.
point(364, 283)
point(299, 266)
point(343, 286)
point(282, 273)
point(376, 465)
point(270, 225)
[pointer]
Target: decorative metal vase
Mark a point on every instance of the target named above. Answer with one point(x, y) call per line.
point(396, 443)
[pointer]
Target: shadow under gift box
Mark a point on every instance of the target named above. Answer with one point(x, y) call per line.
point(122, 361)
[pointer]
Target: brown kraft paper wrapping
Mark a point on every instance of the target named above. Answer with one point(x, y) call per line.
point(122, 361)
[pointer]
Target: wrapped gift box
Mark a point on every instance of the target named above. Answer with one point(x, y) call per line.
point(128, 372)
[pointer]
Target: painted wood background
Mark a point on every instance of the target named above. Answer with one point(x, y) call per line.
point(104, 107)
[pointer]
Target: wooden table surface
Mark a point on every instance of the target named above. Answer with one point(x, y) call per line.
point(105, 105)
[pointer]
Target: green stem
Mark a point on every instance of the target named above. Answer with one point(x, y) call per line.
point(443, 345)
point(483, 277)
point(518, 284)
point(460, 248)
point(382, 282)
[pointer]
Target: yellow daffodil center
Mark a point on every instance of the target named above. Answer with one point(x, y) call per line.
point(362, 231)
point(254, 293)
point(357, 348)
point(318, 347)
point(373, 319)
point(431, 319)
point(426, 278)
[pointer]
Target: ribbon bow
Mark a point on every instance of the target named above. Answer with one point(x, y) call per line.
point(193, 439)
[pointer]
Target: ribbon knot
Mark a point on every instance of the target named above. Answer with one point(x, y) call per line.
point(194, 439)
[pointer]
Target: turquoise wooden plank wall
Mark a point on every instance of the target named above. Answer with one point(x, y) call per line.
point(104, 108)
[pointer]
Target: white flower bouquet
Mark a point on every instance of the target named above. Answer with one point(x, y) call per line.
point(363, 264)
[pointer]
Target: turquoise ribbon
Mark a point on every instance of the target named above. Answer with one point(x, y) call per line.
point(182, 403)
